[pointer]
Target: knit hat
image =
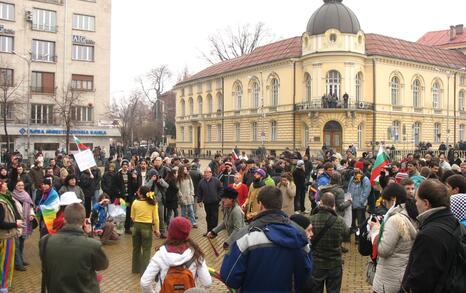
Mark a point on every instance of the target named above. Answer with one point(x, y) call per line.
point(153, 172)
point(359, 165)
point(228, 164)
point(124, 162)
point(230, 192)
point(301, 220)
point(260, 172)
point(179, 229)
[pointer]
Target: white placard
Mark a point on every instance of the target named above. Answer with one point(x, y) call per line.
point(85, 160)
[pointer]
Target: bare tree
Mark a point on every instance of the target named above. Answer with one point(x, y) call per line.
point(8, 97)
point(66, 100)
point(155, 82)
point(232, 43)
point(183, 75)
point(126, 111)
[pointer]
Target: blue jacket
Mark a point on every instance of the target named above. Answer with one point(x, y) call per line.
point(102, 215)
point(323, 179)
point(359, 192)
point(267, 256)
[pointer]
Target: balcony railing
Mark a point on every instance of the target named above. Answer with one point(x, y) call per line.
point(321, 105)
point(44, 27)
point(43, 90)
point(44, 58)
point(59, 2)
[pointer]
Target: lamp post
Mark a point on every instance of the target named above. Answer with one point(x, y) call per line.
point(28, 105)
point(448, 108)
point(262, 114)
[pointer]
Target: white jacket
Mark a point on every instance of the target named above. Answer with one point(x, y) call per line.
point(163, 260)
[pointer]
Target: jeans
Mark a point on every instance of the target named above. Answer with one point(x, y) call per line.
point(19, 251)
point(142, 243)
point(128, 216)
point(358, 215)
point(211, 211)
point(171, 213)
point(195, 206)
point(188, 212)
point(161, 210)
point(331, 278)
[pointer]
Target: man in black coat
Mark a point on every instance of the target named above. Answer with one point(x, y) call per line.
point(299, 178)
point(126, 187)
point(434, 247)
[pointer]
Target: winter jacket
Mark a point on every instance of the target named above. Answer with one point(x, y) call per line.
point(76, 189)
point(102, 214)
point(214, 166)
point(269, 255)
point(288, 195)
point(428, 261)
point(233, 220)
point(88, 184)
point(37, 175)
point(185, 191)
point(458, 206)
point(171, 195)
point(323, 180)
point(327, 253)
point(72, 259)
point(161, 263)
point(359, 192)
point(396, 241)
point(196, 177)
point(254, 190)
point(340, 203)
point(127, 193)
point(159, 189)
point(227, 178)
point(269, 181)
point(299, 178)
point(107, 185)
point(210, 191)
point(243, 191)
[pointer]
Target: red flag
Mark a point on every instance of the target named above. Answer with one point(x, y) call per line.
point(234, 155)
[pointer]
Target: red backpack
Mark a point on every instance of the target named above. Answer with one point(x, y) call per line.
point(178, 279)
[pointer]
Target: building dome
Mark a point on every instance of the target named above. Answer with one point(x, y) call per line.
point(333, 14)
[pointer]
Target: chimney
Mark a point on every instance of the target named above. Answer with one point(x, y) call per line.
point(452, 32)
point(459, 29)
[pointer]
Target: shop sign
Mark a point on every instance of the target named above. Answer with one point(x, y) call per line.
point(82, 40)
point(5, 31)
point(38, 131)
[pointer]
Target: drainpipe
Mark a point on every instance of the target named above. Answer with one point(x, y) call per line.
point(294, 103)
point(374, 92)
point(223, 112)
point(454, 109)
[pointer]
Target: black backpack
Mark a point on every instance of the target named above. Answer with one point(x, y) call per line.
point(456, 275)
point(364, 241)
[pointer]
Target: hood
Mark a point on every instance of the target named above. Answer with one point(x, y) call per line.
point(285, 236)
point(175, 259)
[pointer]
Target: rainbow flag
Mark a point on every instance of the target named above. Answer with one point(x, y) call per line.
point(213, 273)
point(48, 209)
point(81, 146)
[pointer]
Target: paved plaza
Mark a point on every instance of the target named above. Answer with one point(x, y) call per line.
point(118, 277)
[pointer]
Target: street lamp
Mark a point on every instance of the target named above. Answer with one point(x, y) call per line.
point(28, 61)
point(448, 108)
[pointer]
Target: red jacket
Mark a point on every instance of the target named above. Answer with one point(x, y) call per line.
point(243, 191)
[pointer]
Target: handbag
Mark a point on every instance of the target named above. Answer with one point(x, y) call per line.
point(370, 271)
point(33, 223)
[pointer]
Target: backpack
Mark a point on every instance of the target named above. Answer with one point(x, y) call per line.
point(455, 279)
point(178, 279)
point(364, 241)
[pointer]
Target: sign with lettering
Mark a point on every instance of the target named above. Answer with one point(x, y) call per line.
point(82, 40)
point(85, 160)
point(38, 131)
point(5, 31)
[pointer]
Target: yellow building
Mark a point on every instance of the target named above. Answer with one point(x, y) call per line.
point(334, 85)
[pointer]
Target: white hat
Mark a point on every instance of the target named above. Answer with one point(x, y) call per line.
point(68, 198)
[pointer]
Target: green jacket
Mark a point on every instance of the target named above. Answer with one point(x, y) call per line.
point(71, 260)
point(327, 253)
point(269, 181)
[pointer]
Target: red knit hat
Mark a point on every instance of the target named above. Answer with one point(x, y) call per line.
point(179, 229)
point(359, 165)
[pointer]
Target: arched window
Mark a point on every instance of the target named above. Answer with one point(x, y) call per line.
point(238, 96)
point(219, 132)
point(274, 131)
point(396, 127)
point(191, 106)
point(360, 133)
point(416, 93)
point(308, 88)
point(437, 133)
point(461, 132)
point(182, 134)
point(255, 92)
point(395, 90)
point(461, 101)
point(210, 104)
point(274, 91)
point(417, 133)
point(183, 108)
point(219, 102)
point(436, 95)
point(190, 137)
point(199, 102)
point(237, 132)
point(358, 88)
point(333, 83)
point(209, 133)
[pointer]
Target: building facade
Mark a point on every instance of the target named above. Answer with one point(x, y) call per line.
point(334, 85)
point(49, 50)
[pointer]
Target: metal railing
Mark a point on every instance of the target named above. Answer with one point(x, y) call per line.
point(339, 105)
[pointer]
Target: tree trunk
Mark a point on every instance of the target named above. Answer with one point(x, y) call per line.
point(7, 136)
point(67, 138)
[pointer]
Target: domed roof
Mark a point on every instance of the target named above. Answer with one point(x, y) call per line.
point(333, 14)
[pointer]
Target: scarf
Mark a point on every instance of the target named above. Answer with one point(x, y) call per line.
point(24, 198)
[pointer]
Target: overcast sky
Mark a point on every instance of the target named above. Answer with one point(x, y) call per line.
point(147, 33)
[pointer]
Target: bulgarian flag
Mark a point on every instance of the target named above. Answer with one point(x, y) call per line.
point(380, 162)
point(48, 209)
point(81, 146)
point(234, 155)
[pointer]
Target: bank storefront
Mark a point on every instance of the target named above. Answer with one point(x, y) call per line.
point(49, 139)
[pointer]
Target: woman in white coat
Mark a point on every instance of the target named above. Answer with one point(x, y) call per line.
point(178, 250)
point(394, 238)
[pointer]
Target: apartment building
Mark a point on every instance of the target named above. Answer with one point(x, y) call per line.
point(49, 50)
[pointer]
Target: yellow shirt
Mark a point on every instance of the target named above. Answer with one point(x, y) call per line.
point(144, 212)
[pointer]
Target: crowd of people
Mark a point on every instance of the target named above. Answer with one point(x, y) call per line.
point(287, 219)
